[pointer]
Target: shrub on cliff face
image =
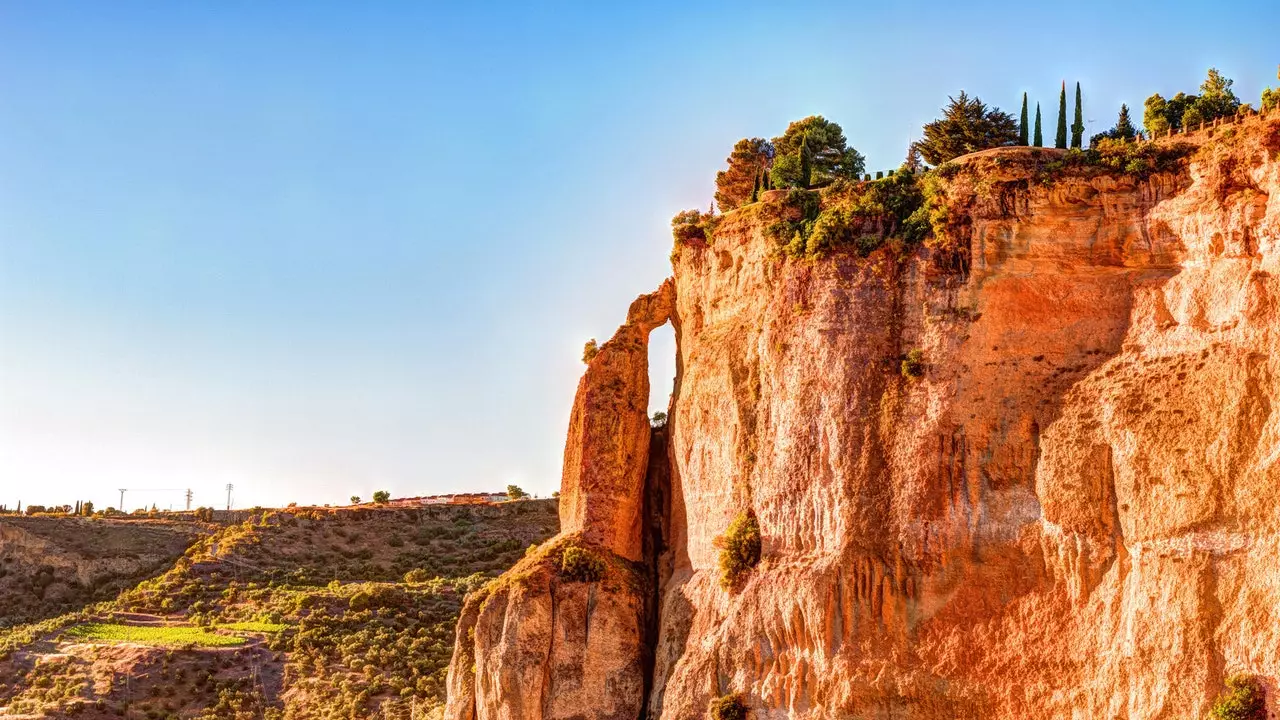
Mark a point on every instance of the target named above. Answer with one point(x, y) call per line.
point(913, 365)
point(727, 707)
point(579, 564)
point(590, 350)
point(739, 548)
point(1244, 700)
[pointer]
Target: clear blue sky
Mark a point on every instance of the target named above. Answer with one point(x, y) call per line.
point(317, 249)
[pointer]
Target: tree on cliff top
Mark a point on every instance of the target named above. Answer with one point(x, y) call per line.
point(1123, 129)
point(381, 496)
point(1060, 139)
point(1038, 141)
point(830, 156)
point(1022, 122)
point(749, 159)
point(1216, 99)
point(1077, 125)
point(1271, 98)
point(967, 125)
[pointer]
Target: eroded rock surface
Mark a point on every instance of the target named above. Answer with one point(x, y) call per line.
point(1072, 514)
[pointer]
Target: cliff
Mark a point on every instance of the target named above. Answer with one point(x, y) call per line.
point(1068, 513)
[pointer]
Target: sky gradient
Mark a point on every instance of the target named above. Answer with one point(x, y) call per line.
point(319, 249)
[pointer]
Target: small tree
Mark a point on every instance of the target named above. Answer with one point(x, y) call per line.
point(1270, 97)
point(86, 508)
point(1038, 141)
point(1077, 127)
point(1060, 140)
point(589, 350)
point(749, 159)
point(658, 420)
point(755, 189)
point(806, 163)
point(1023, 129)
point(355, 499)
point(381, 497)
point(515, 493)
point(1124, 126)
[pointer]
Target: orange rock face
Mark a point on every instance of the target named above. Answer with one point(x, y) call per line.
point(1073, 512)
point(539, 643)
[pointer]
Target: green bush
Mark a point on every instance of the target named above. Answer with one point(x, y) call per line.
point(739, 548)
point(693, 226)
point(727, 707)
point(579, 564)
point(417, 576)
point(913, 365)
point(1243, 700)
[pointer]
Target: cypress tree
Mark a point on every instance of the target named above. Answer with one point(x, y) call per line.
point(1038, 141)
point(755, 189)
point(1060, 140)
point(1077, 127)
point(1022, 123)
point(806, 171)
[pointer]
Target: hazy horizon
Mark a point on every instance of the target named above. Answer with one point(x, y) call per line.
point(326, 249)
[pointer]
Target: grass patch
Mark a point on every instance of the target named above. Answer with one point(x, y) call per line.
point(158, 635)
point(253, 626)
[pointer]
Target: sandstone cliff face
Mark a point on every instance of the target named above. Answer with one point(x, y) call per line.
point(540, 645)
point(1072, 514)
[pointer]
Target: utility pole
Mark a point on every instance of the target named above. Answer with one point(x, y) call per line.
point(120, 507)
point(188, 498)
point(229, 488)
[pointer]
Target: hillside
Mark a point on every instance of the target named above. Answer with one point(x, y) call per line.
point(996, 441)
point(51, 565)
point(301, 613)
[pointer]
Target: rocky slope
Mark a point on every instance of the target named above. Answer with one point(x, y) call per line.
point(1070, 514)
point(50, 565)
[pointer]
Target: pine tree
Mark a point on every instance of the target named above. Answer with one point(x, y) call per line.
point(1022, 122)
point(1038, 140)
point(1124, 126)
point(1060, 140)
point(1077, 127)
point(755, 189)
point(806, 169)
